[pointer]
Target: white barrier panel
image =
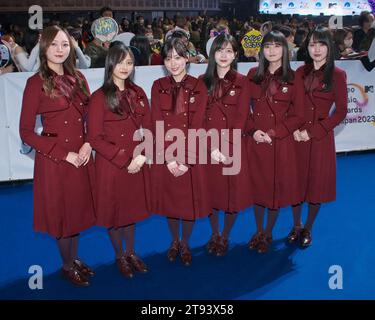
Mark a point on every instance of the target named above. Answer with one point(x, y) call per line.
point(4, 144)
point(357, 132)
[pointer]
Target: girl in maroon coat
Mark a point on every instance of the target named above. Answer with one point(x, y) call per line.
point(277, 111)
point(119, 110)
point(179, 184)
point(324, 85)
point(63, 200)
point(228, 108)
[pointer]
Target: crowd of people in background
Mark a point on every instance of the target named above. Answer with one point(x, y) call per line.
point(351, 42)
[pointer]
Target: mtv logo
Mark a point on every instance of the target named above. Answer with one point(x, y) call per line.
point(369, 89)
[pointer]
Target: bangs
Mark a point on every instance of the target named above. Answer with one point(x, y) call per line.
point(223, 44)
point(178, 45)
point(222, 41)
point(118, 54)
point(274, 37)
point(122, 56)
point(321, 35)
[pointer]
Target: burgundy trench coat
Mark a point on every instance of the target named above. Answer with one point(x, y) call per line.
point(231, 193)
point(317, 157)
point(274, 166)
point(185, 197)
point(63, 194)
point(122, 198)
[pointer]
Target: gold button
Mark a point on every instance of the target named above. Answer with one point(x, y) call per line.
point(81, 104)
point(166, 113)
point(312, 108)
point(66, 140)
point(185, 102)
point(310, 122)
point(271, 115)
point(185, 114)
point(79, 119)
point(66, 122)
point(186, 91)
point(258, 114)
point(80, 136)
point(275, 101)
point(223, 118)
point(225, 105)
point(184, 125)
point(122, 134)
point(209, 119)
point(168, 125)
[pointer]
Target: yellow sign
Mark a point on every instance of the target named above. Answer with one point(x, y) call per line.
point(251, 43)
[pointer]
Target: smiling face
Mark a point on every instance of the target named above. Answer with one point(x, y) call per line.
point(273, 52)
point(225, 56)
point(124, 69)
point(59, 49)
point(318, 51)
point(175, 64)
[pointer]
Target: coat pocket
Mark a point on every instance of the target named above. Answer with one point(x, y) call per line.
point(324, 95)
point(111, 116)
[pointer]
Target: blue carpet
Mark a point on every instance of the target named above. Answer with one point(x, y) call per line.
point(343, 235)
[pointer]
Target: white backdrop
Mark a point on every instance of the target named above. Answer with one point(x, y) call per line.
point(16, 160)
point(305, 7)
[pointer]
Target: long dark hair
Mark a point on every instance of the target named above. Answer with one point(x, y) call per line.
point(324, 36)
point(274, 37)
point(143, 44)
point(116, 53)
point(221, 41)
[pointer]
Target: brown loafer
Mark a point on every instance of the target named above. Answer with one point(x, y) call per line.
point(75, 277)
point(253, 243)
point(185, 254)
point(222, 246)
point(137, 264)
point(83, 268)
point(125, 267)
point(263, 244)
point(212, 243)
point(173, 250)
point(294, 234)
point(305, 238)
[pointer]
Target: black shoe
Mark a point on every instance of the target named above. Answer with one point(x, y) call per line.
point(305, 238)
point(294, 234)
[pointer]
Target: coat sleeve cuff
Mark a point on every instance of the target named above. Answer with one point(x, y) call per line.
point(58, 153)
